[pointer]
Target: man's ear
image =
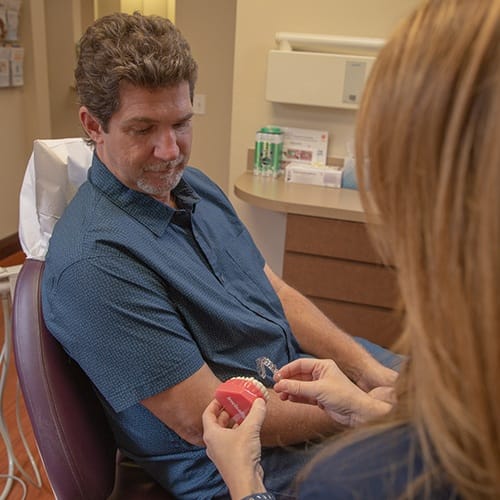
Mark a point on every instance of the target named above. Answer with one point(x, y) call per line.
point(91, 125)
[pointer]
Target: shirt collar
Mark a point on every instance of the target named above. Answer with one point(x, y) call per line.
point(145, 209)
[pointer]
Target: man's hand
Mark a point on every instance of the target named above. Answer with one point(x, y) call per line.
point(375, 375)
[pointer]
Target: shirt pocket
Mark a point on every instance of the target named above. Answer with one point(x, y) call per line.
point(243, 270)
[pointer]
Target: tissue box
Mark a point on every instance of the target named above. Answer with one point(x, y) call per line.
point(318, 176)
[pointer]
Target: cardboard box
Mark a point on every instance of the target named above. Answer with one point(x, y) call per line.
point(316, 175)
point(300, 145)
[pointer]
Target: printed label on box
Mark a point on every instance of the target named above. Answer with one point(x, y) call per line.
point(305, 146)
point(16, 66)
point(319, 176)
point(4, 66)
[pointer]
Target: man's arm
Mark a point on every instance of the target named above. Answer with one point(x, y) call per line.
point(319, 336)
point(289, 423)
point(181, 407)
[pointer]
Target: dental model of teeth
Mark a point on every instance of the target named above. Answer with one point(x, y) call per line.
point(237, 394)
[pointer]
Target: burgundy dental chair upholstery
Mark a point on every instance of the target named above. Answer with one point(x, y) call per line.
point(72, 434)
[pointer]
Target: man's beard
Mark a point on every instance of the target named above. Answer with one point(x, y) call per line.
point(166, 181)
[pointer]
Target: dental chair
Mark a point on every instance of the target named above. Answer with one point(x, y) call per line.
point(72, 434)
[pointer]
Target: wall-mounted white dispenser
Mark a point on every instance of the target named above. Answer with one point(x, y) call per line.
point(320, 70)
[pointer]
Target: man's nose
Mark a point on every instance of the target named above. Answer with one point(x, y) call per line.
point(166, 147)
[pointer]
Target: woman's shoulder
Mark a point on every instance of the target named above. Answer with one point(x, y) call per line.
point(376, 466)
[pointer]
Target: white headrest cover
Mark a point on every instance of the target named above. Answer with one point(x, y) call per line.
point(55, 171)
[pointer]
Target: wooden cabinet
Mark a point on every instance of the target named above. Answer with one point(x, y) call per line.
point(333, 263)
point(328, 254)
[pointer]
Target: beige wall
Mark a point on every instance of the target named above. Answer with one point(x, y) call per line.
point(11, 158)
point(61, 59)
point(45, 106)
point(24, 114)
point(209, 27)
point(256, 24)
point(221, 32)
point(105, 7)
point(165, 8)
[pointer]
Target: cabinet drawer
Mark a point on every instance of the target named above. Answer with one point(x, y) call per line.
point(382, 326)
point(343, 280)
point(329, 237)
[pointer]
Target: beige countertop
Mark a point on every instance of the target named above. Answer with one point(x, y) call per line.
point(302, 199)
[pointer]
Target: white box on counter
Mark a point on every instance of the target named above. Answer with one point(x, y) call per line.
point(304, 146)
point(316, 175)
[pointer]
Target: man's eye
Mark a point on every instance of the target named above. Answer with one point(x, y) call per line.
point(141, 131)
point(182, 125)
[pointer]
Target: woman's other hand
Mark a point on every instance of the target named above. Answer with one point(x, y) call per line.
point(236, 449)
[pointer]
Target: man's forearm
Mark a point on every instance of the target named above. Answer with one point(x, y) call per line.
point(289, 423)
point(319, 336)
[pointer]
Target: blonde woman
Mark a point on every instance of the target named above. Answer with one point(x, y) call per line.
point(428, 150)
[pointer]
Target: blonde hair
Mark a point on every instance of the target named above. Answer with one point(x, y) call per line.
point(428, 128)
point(428, 158)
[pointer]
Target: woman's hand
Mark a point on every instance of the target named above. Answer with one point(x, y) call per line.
point(235, 450)
point(322, 383)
